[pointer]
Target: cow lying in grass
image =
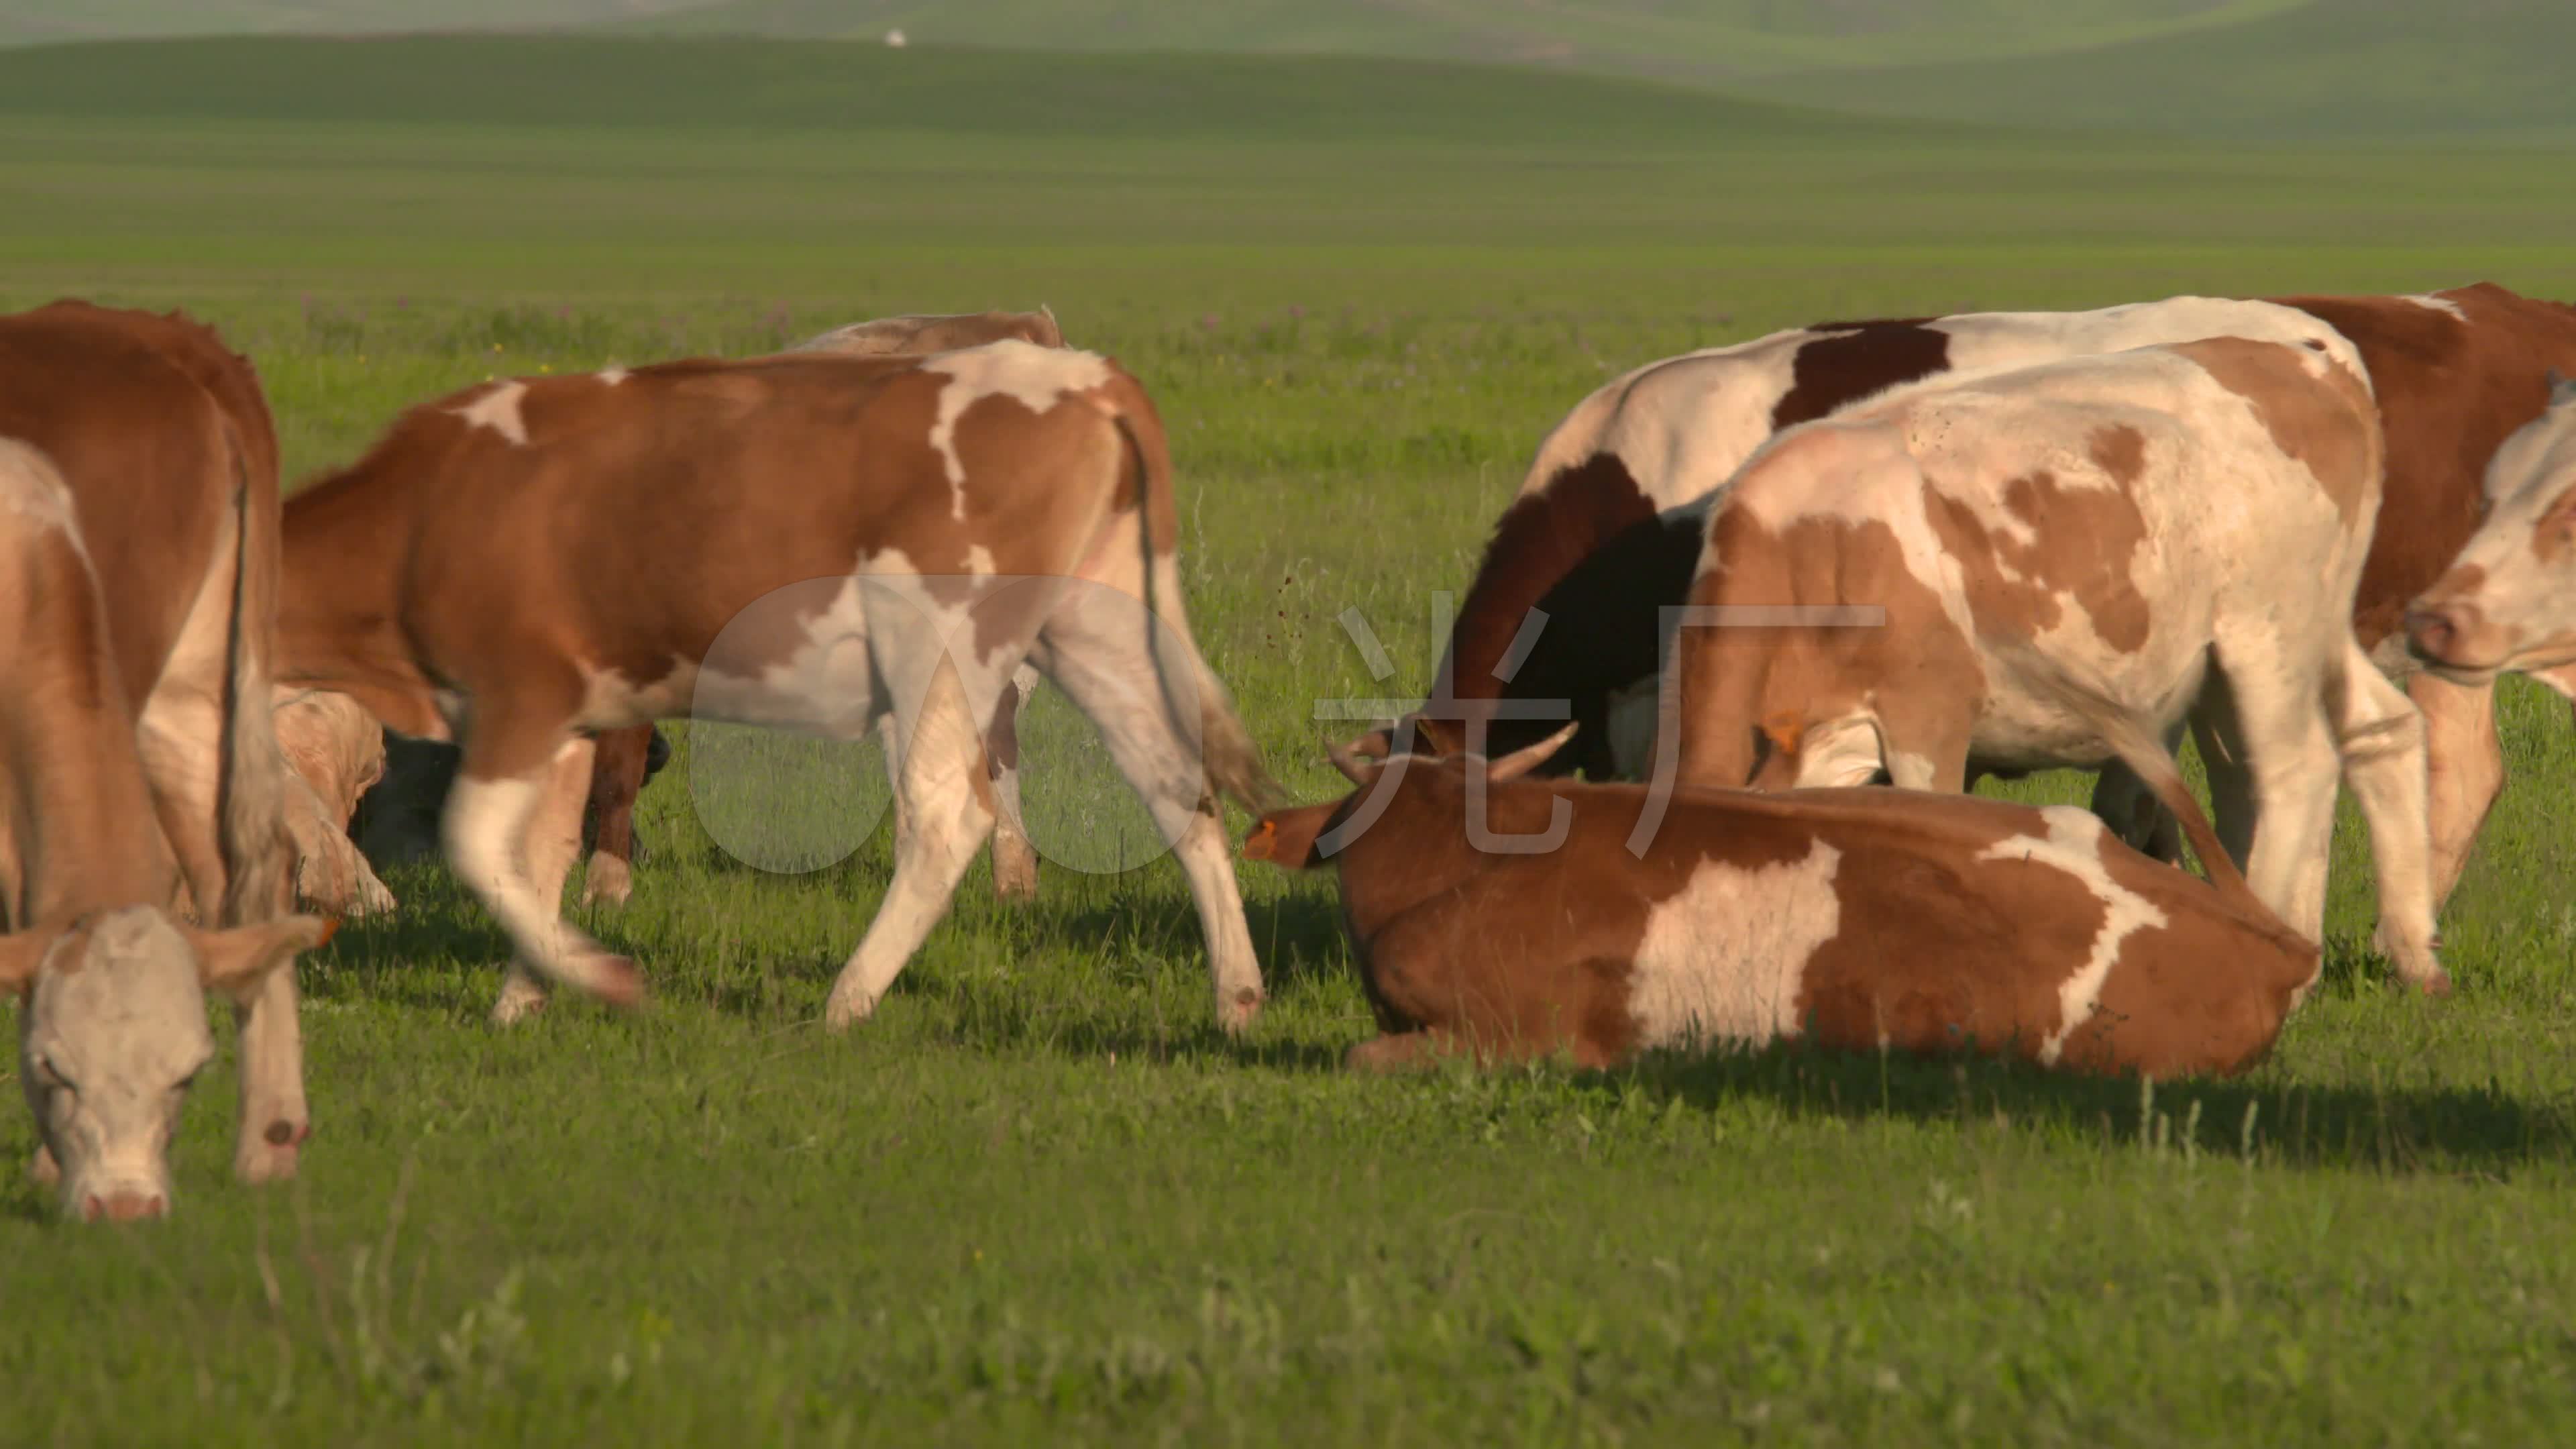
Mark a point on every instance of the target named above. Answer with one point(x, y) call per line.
point(112, 1012)
point(1863, 919)
point(2186, 522)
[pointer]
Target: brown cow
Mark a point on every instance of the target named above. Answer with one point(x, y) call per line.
point(1513, 917)
point(142, 551)
point(830, 539)
point(627, 758)
point(165, 440)
point(1607, 528)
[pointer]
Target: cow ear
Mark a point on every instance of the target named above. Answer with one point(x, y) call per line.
point(1286, 838)
point(1786, 729)
point(238, 961)
point(1521, 761)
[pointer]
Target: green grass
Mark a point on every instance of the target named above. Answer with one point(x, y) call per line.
point(1039, 1199)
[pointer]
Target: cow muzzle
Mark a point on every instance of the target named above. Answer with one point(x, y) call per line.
point(120, 1202)
point(2451, 636)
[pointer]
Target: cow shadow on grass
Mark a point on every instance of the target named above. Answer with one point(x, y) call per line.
point(2271, 1114)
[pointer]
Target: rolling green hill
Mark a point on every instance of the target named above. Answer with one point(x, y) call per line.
point(2253, 68)
point(741, 83)
point(2348, 68)
point(26, 22)
point(1707, 41)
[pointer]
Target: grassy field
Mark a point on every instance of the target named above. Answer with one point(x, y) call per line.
point(1039, 1199)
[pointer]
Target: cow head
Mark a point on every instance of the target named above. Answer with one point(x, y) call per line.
point(2509, 599)
point(1291, 837)
point(112, 1030)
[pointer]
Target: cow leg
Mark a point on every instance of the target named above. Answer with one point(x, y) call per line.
point(1924, 751)
point(2133, 813)
point(2465, 767)
point(2289, 753)
point(2381, 739)
point(1409, 1051)
point(616, 777)
point(1015, 860)
point(1098, 648)
point(944, 809)
point(180, 734)
point(506, 821)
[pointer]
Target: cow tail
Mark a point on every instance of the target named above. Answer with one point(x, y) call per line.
point(1232, 760)
point(259, 849)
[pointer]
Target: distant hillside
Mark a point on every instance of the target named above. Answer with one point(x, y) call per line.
point(35, 22)
point(2250, 68)
point(1700, 42)
point(1709, 40)
point(717, 82)
point(2369, 68)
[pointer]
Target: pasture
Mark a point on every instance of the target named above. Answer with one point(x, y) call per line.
point(1039, 1198)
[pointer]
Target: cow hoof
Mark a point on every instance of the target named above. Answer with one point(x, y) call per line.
point(261, 1161)
point(614, 979)
point(1015, 868)
point(519, 1000)
point(608, 880)
point(1236, 1013)
point(1018, 888)
point(847, 1008)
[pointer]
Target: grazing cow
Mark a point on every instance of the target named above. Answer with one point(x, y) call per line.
point(162, 435)
point(830, 538)
point(2141, 515)
point(2508, 602)
point(627, 758)
point(111, 989)
point(336, 753)
point(1859, 919)
point(1607, 527)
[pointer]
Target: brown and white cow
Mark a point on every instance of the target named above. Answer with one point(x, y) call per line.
point(111, 987)
point(1860, 919)
point(405, 823)
point(830, 538)
point(2508, 602)
point(2186, 522)
point(1607, 527)
point(162, 435)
